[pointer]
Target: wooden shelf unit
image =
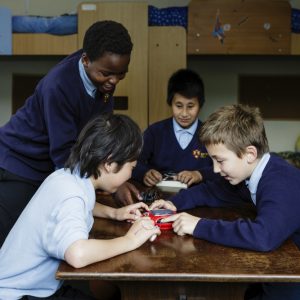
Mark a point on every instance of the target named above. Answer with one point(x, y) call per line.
point(157, 53)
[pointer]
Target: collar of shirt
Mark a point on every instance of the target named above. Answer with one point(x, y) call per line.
point(89, 86)
point(256, 175)
point(191, 130)
point(184, 136)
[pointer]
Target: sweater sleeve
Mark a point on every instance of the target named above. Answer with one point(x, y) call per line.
point(60, 118)
point(277, 218)
point(143, 166)
point(217, 193)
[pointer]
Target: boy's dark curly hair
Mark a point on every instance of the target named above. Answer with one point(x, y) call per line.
point(106, 36)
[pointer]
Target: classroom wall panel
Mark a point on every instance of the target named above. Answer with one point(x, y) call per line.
point(134, 16)
point(167, 53)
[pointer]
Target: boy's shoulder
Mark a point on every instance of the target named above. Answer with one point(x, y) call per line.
point(64, 70)
point(279, 167)
point(161, 125)
point(62, 180)
point(73, 57)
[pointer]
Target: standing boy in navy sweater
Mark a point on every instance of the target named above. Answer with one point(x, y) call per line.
point(236, 141)
point(172, 144)
point(38, 138)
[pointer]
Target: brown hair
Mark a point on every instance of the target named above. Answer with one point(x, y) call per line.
point(237, 127)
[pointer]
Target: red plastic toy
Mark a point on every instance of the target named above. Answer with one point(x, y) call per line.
point(158, 214)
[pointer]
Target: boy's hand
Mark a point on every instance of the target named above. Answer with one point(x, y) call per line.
point(130, 212)
point(189, 177)
point(162, 204)
point(142, 230)
point(183, 223)
point(152, 177)
point(123, 195)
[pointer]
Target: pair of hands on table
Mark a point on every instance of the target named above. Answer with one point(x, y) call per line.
point(183, 223)
point(152, 177)
point(143, 228)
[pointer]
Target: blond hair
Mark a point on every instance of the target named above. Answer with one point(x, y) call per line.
point(237, 127)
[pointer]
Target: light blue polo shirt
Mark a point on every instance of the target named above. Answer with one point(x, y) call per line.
point(88, 85)
point(59, 214)
point(184, 135)
point(252, 183)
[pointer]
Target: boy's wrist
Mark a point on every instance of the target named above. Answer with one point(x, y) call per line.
point(200, 177)
point(112, 213)
point(130, 242)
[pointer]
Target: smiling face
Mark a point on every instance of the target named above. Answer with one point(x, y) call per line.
point(111, 178)
point(229, 165)
point(106, 71)
point(185, 111)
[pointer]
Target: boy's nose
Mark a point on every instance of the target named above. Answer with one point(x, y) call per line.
point(184, 112)
point(114, 79)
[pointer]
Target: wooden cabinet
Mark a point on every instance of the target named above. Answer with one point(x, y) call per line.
point(157, 53)
point(167, 53)
point(44, 44)
point(134, 16)
point(239, 27)
point(295, 44)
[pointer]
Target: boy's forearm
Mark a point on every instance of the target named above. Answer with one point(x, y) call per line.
point(104, 211)
point(211, 193)
point(186, 199)
point(241, 233)
point(85, 252)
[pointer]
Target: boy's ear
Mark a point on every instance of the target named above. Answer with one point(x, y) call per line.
point(110, 167)
point(85, 60)
point(251, 154)
point(107, 167)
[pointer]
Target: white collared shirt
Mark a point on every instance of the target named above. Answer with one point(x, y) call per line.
point(89, 86)
point(184, 135)
point(256, 175)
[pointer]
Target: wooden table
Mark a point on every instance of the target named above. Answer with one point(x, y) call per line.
point(174, 267)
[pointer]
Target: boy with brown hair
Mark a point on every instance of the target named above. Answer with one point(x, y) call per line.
point(236, 141)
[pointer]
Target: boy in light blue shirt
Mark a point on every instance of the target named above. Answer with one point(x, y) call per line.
point(55, 225)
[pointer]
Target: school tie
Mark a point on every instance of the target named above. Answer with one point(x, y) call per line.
point(98, 95)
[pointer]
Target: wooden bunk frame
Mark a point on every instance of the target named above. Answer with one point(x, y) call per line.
point(44, 44)
point(157, 53)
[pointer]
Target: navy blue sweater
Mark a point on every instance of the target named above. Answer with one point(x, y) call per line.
point(162, 152)
point(38, 138)
point(277, 205)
